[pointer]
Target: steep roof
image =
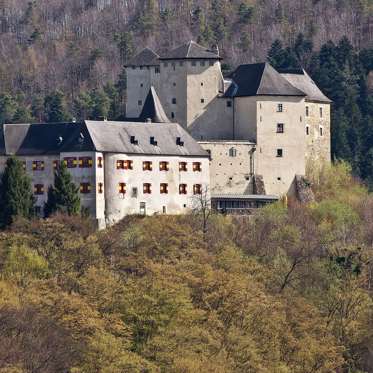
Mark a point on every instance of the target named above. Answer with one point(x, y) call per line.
point(190, 50)
point(260, 79)
point(147, 57)
point(301, 80)
point(113, 137)
point(153, 109)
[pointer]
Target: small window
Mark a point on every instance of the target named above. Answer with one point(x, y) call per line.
point(229, 103)
point(164, 210)
point(202, 63)
point(99, 162)
point(38, 189)
point(194, 63)
point(183, 166)
point(182, 189)
point(122, 188)
point(174, 84)
point(211, 63)
point(279, 178)
point(307, 130)
point(179, 142)
point(209, 152)
point(174, 100)
point(141, 85)
point(85, 188)
point(139, 103)
point(38, 165)
point(197, 167)
point(307, 111)
point(147, 188)
point(71, 162)
point(202, 100)
point(147, 166)
point(100, 188)
point(56, 164)
point(197, 189)
point(164, 188)
point(321, 131)
point(232, 152)
point(280, 108)
point(157, 70)
point(120, 164)
point(280, 153)
point(172, 115)
point(201, 84)
point(280, 127)
point(163, 166)
point(321, 112)
point(153, 141)
point(85, 162)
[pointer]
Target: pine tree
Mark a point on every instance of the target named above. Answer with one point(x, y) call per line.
point(16, 197)
point(63, 196)
point(54, 107)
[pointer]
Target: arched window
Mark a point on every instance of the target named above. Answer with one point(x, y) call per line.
point(232, 152)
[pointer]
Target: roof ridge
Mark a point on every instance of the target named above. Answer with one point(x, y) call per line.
point(261, 78)
point(190, 44)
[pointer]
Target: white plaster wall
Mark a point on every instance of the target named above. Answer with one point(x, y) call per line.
point(230, 175)
point(245, 118)
point(117, 205)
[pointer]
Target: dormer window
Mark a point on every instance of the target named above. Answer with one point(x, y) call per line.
point(153, 141)
point(133, 140)
point(179, 142)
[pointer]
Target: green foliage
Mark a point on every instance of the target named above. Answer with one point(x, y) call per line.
point(63, 196)
point(55, 107)
point(16, 197)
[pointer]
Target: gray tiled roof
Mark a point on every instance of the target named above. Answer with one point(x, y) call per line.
point(153, 109)
point(301, 80)
point(115, 137)
point(190, 50)
point(147, 57)
point(260, 79)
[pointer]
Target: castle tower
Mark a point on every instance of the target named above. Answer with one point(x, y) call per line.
point(142, 73)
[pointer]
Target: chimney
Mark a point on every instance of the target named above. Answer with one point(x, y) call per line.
point(148, 120)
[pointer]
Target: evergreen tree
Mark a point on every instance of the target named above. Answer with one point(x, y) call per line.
point(55, 108)
point(63, 196)
point(16, 197)
point(100, 104)
point(8, 107)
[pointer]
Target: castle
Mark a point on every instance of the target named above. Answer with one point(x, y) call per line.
point(260, 126)
point(245, 139)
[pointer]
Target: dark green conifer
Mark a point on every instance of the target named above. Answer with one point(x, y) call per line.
point(63, 196)
point(16, 197)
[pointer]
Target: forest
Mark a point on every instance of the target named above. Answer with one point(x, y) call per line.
point(289, 290)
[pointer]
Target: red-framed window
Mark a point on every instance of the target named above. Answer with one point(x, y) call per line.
point(56, 164)
point(197, 166)
point(85, 188)
point(147, 166)
point(100, 162)
point(197, 189)
point(122, 188)
point(38, 165)
point(147, 188)
point(71, 162)
point(164, 166)
point(39, 189)
point(182, 189)
point(164, 188)
point(183, 166)
point(100, 188)
point(85, 162)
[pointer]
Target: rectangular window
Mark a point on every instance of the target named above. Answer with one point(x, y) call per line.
point(139, 103)
point(307, 130)
point(100, 188)
point(99, 162)
point(157, 71)
point(174, 100)
point(85, 188)
point(182, 189)
point(164, 166)
point(279, 153)
point(164, 188)
point(38, 189)
point(280, 108)
point(202, 63)
point(229, 103)
point(321, 112)
point(147, 188)
point(38, 165)
point(194, 63)
point(321, 131)
point(56, 164)
point(197, 166)
point(122, 188)
point(280, 127)
point(183, 166)
point(70, 162)
point(307, 111)
point(85, 162)
point(197, 189)
point(147, 166)
point(202, 100)
point(211, 63)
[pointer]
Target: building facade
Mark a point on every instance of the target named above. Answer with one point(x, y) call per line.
point(121, 168)
point(282, 114)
